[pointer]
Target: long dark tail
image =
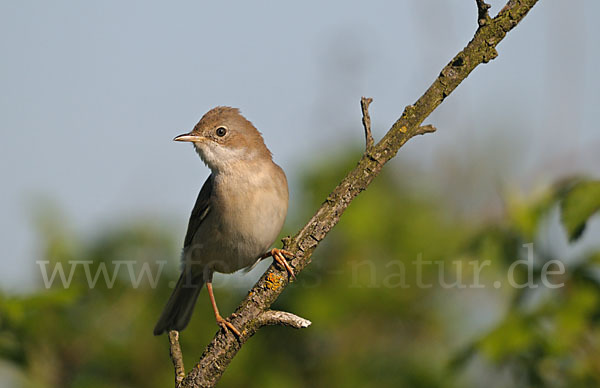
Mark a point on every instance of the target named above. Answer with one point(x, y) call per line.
point(178, 311)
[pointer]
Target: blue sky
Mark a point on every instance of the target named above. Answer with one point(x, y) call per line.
point(93, 93)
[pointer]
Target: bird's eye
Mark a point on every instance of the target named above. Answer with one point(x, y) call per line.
point(221, 131)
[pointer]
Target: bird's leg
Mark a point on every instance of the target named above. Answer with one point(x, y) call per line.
point(278, 256)
point(220, 320)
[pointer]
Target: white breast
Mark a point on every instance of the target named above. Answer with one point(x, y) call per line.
point(247, 212)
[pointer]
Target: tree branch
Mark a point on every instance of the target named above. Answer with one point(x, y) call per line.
point(176, 357)
point(482, 12)
point(425, 129)
point(272, 317)
point(249, 314)
point(366, 120)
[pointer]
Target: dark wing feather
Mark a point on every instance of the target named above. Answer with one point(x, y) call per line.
point(201, 210)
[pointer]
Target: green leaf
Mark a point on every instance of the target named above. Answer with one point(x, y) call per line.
point(578, 205)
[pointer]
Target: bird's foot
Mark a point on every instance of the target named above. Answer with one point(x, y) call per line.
point(226, 325)
point(278, 256)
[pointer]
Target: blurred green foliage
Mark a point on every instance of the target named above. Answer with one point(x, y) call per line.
point(580, 202)
point(373, 325)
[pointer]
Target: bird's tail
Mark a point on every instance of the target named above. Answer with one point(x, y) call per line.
point(179, 308)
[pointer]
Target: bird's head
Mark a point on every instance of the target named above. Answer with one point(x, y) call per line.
point(223, 137)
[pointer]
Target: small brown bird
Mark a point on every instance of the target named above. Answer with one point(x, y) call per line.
point(238, 215)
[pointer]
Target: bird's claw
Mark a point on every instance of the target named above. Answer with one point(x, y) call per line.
point(278, 256)
point(226, 325)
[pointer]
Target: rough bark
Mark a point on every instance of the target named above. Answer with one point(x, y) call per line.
point(254, 311)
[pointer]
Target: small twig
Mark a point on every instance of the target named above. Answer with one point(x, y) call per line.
point(482, 12)
point(176, 357)
point(425, 129)
point(272, 317)
point(366, 120)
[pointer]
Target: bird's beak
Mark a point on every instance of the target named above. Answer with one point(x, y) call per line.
point(188, 137)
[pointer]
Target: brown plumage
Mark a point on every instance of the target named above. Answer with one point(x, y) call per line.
point(237, 216)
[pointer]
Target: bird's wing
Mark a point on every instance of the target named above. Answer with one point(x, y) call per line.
point(201, 210)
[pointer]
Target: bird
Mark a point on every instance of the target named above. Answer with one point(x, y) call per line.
point(239, 212)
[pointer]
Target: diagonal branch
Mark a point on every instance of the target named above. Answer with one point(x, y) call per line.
point(481, 49)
